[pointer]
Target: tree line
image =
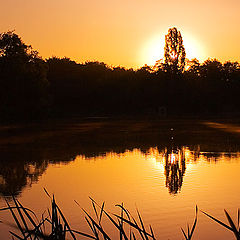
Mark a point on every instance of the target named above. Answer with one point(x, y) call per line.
point(33, 88)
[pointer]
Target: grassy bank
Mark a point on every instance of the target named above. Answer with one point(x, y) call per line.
point(54, 226)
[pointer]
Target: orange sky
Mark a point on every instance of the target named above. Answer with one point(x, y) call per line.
point(129, 33)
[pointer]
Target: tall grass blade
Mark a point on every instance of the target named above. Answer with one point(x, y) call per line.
point(121, 231)
point(27, 214)
point(138, 228)
point(16, 219)
point(118, 226)
point(96, 213)
point(45, 190)
point(89, 224)
point(184, 234)
point(133, 236)
point(134, 225)
point(21, 216)
point(94, 207)
point(64, 231)
point(43, 221)
point(93, 229)
point(98, 227)
point(95, 232)
point(153, 237)
point(65, 222)
point(77, 204)
point(101, 212)
point(125, 210)
point(36, 231)
point(54, 217)
point(143, 228)
point(188, 235)
point(15, 235)
point(234, 229)
point(121, 223)
point(84, 234)
point(7, 208)
point(218, 221)
point(194, 224)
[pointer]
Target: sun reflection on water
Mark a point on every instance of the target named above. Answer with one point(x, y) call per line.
point(165, 182)
point(173, 162)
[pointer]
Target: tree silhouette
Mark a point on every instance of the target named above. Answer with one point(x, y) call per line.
point(23, 93)
point(31, 85)
point(174, 51)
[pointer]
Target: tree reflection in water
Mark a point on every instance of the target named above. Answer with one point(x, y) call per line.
point(20, 169)
point(16, 175)
point(175, 167)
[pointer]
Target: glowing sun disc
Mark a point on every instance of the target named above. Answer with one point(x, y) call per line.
point(193, 48)
point(153, 50)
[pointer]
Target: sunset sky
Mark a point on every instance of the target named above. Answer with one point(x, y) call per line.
point(128, 33)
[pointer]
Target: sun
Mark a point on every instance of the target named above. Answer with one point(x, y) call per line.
point(193, 47)
point(153, 49)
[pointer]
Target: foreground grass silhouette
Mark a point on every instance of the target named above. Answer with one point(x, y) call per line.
point(56, 227)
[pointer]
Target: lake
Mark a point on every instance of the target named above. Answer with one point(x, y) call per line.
point(163, 168)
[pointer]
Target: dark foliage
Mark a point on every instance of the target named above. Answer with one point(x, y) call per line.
point(23, 79)
point(59, 87)
point(210, 88)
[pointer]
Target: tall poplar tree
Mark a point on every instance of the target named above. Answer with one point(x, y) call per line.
point(174, 51)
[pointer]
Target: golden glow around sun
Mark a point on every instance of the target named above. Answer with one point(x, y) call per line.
point(193, 48)
point(153, 50)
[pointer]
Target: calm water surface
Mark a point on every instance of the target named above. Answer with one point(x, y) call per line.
point(164, 181)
